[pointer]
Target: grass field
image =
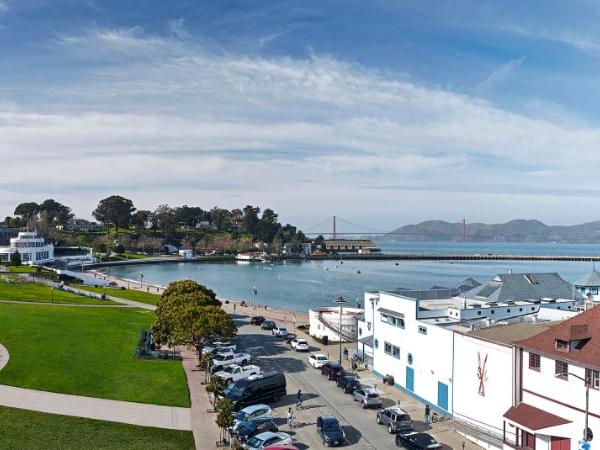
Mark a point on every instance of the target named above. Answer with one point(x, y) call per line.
point(22, 269)
point(86, 351)
point(31, 292)
point(128, 294)
point(22, 429)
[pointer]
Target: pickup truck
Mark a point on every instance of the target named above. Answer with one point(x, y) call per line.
point(234, 373)
point(223, 360)
point(218, 347)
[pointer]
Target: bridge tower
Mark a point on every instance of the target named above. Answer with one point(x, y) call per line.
point(463, 230)
point(334, 230)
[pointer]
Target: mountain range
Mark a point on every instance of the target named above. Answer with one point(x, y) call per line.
point(519, 230)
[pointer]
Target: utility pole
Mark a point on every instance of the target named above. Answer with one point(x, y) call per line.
point(340, 301)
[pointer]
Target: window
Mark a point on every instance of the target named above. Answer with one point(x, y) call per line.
point(592, 378)
point(384, 318)
point(508, 310)
point(561, 345)
point(561, 369)
point(392, 350)
point(534, 361)
point(422, 329)
point(478, 313)
point(396, 321)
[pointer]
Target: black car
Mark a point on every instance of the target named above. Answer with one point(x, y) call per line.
point(332, 369)
point(251, 428)
point(265, 388)
point(331, 431)
point(267, 325)
point(348, 383)
point(289, 337)
point(417, 441)
point(257, 320)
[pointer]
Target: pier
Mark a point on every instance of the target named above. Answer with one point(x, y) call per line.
point(449, 257)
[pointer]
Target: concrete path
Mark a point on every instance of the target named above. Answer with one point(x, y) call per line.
point(4, 356)
point(122, 301)
point(82, 305)
point(206, 432)
point(158, 416)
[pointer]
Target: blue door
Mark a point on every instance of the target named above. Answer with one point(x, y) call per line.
point(443, 396)
point(410, 379)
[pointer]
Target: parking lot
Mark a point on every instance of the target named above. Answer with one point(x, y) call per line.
point(322, 397)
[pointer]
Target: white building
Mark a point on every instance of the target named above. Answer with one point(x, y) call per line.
point(589, 286)
point(31, 247)
point(324, 323)
point(554, 369)
point(186, 253)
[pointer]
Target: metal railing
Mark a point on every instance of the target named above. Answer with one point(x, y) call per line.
point(346, 335)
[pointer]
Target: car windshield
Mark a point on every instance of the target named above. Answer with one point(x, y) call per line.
point(426, 440)
point(255, 442)
point(248, 427)
point(233, 392)
point(331, 425)
point(321, 358)
point(301, 341)
point(229, 369)
point(372, 395)
point(241, 415)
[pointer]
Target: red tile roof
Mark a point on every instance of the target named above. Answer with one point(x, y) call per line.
point(533, 418)
point(584, 327)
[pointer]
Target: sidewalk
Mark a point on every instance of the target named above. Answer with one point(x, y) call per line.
point(171, 417)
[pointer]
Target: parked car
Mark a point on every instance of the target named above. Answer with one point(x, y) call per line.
point(251, 413)
point(257, 320)
point(265, 388)
point(330, 430)
point(417, 441)
point(396, 419)
point(332, 370)
point(268, 325)
point(222, 360)
point(348, 383)
point(290, 337)
point(317, 360)
point(266, 439)
point(300, 345)
point(234, 373)
point(218, 346)
point(251, 428)
point(367, 397)
point(282, 447)
point(215, 351)
point(279, 331)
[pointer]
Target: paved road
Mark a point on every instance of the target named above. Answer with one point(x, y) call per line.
point(324, 398)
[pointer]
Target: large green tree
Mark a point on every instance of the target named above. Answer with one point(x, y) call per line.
point(56, 212)
point(27, 210)
point(114, 210)
point(166, 220)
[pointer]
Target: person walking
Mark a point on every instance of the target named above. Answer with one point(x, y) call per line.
point(299, 399)
point(290, 418)
point(427, 415)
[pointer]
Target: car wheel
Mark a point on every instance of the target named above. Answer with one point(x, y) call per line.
point(399, 442)
point(364, 405)
point(378, 419)
point(390, 429)
point(329, 377)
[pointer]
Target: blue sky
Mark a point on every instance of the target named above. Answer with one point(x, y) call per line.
point(382, 112)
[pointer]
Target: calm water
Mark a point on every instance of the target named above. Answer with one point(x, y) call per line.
point(301, 285)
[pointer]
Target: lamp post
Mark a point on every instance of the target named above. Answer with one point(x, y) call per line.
point(340, 301)
point(587, 400)
point(141, 280)
point(254, 291)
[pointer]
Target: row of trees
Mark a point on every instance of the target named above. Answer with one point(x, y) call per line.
point(48, 213)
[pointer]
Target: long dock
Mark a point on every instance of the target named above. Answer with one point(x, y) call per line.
point(450, 257)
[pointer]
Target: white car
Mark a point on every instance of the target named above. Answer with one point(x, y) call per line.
point(251, 412)
point(279, 331)
point(300, 345)
point(268, 438)
point(223, 360)
point(317, 360)
point(234, 373)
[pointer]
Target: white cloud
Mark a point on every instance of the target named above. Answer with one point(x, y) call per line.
point(499, 74)
point(173, 122)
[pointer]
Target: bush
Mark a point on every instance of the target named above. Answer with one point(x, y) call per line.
point(119, 249)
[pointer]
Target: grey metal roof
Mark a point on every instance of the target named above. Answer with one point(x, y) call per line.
point(427, 294)
point(523, 286)
point(367, 340)
point(471, 282)
point(390, 312)
point(591, 279)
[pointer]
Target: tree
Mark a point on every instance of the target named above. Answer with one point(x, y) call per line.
point(27, 210)
point(192, 291)
point(15, 258)
point(56, 212)
point(119, 249)
point(251, 218)
point(165, 219)
point(140, 218)
point(225, 417)
point(216, 386)
point(115, 210)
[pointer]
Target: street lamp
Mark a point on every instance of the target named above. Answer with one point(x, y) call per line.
point(340, 301)
point(141, 280)
point(586, 430)
point(254, 291)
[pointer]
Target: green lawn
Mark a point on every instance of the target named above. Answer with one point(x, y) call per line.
point(86, 351)
point(128, 294)
point(22, 429)
point(22, 269)
point(32, 292)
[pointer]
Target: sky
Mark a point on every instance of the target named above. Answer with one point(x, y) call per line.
point(381, 112)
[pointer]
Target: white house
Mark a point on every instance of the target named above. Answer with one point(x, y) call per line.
point(555, 369)
point(589, 286)
point(31, 247)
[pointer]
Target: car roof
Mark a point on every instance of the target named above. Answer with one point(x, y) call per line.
point(266, 435)
point(329, 419)
point(396, 409)
point(253, 408)
point(370, 390)
point(319, 355)
point(333, 364)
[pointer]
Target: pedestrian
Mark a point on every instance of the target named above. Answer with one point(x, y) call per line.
point(299, 399)
point(345, 353)
point(427, 414)
point(290, 418)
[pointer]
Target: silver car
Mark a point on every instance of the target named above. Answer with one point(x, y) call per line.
point(367, 397)
point(396, 419)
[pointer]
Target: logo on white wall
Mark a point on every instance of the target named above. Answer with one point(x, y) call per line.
point(482, 373)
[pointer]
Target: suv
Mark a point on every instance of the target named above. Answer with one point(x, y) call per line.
point(279, 331)
point(368, 397)
point(257, 320)
point(330, 430)
point(251, 428)
point(333, 370)
point(397, 420)
point(223, 360)
point(267, 325)
point(348, 383)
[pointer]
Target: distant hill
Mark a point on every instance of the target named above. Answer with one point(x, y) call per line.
point(519, 230)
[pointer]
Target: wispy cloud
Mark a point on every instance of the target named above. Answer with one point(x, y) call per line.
point(499, 74)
